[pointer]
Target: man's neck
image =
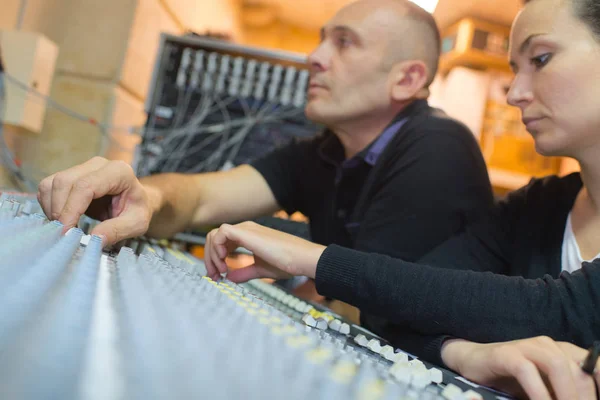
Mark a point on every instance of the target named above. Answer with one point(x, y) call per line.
point(357, 134)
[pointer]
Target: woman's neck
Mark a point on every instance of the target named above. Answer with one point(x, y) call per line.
point(585, 214)
point(590, 175)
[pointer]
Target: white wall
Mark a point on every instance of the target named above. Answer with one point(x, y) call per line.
point(462, 94)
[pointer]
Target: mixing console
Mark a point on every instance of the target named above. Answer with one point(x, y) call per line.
point(143, 322)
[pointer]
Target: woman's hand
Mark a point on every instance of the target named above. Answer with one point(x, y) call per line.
point(277, 255)
point(535, 368)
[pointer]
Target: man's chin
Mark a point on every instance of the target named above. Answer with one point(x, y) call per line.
point(312, 115)
point(316, 115)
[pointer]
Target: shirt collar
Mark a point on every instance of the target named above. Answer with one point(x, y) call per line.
point(372, 152)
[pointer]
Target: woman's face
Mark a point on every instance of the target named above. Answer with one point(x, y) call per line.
point(556, 60)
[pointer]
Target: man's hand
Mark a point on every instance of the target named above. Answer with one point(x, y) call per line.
point(535, 368)
point(277, 255)
point(105, 190)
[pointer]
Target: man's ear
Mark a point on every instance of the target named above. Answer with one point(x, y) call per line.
point(408, 80)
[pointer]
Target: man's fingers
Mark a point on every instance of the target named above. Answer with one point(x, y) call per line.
point(114, 178)
point(62, 183)
point(127, 225)
point(44, 195)
point(113, 230)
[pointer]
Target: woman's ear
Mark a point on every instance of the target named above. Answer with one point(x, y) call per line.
point(408, 80)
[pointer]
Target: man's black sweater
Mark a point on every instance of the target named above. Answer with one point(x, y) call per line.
point(500, 280)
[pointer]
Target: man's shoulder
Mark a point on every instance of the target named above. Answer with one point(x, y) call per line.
point(300, 145)
point(294, 153)
point(435, 121)
point(433, 129)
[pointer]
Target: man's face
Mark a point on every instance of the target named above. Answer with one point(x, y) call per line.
point(348, 78)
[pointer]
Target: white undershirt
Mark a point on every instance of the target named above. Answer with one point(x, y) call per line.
point(571, 256)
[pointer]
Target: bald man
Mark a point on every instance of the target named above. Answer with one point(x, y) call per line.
point(389, 175)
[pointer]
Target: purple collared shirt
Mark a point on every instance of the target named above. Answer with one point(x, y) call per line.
point(376, 148)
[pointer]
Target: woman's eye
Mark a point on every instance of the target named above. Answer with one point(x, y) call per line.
point(541, 60)
point(344, 41)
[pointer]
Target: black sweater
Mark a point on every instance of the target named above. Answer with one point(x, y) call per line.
point(367, 207)
point(500, 280)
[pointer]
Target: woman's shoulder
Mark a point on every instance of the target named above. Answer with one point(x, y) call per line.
point(554, 183)
point(552, 188)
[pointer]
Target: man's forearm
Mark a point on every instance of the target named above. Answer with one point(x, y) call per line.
point(174, 199)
